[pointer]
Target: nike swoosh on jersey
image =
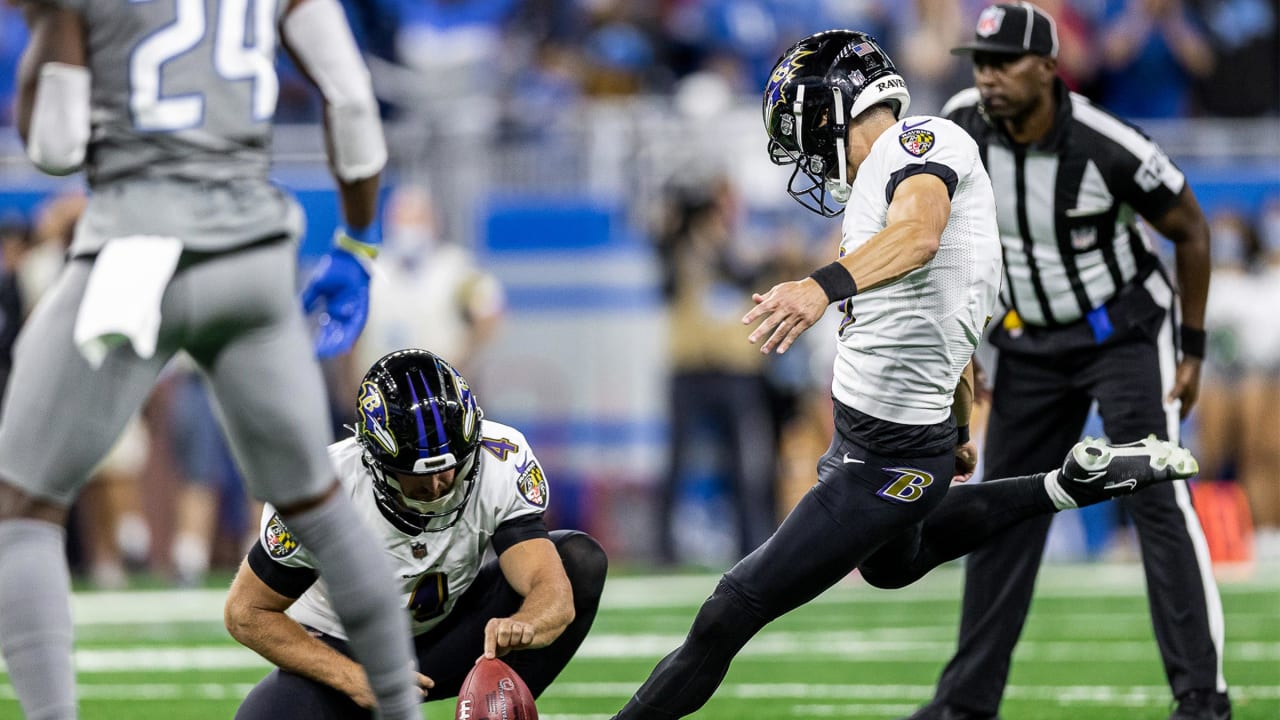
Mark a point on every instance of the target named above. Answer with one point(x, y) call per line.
point(853, 459)
point(906, 127)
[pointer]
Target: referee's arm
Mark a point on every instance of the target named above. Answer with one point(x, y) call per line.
point(1186, 226)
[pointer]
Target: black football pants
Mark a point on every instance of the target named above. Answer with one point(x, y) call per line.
point(447, 651)
point(892, 517)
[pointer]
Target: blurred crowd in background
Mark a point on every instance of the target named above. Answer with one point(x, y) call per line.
point(738, 426)
point(530, 60)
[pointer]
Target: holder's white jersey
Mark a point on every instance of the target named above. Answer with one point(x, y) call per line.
point(433, 569)
point(902, 346)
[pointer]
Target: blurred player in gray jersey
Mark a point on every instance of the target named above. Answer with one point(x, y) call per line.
point(186, 245)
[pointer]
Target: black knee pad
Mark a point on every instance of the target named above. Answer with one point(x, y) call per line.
point(585, 562)
point(726, 617)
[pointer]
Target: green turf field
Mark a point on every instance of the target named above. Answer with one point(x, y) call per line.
point(856, 652)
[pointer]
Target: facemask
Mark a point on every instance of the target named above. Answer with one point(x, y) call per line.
point(442, 503)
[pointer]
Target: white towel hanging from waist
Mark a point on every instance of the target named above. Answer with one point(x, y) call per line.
point(122, 298)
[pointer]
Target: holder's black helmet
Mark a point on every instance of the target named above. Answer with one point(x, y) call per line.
point(416, 415)
point(816, 89)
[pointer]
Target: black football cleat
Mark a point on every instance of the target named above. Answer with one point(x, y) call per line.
point(1096, 470)
point(1202, 705)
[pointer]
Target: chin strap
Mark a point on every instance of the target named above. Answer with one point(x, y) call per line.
point(797, 109)
point(842, 190)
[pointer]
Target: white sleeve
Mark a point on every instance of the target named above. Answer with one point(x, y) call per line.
point(319, 36)
point(59, 134)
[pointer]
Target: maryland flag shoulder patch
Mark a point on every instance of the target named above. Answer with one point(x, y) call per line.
point(916, 141)
point(532, 485)
point(277, 539)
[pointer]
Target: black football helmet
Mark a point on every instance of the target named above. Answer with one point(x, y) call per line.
point(816, 89)
point(416, 415)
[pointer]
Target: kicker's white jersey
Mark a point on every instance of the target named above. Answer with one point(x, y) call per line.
point(432, 569)
point(902, 346)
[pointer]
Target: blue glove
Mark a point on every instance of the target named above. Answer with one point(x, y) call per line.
point(339, 290)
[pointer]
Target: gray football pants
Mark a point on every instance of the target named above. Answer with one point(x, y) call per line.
point(238, 316)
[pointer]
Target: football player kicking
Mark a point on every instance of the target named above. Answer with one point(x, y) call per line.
point(438, 485)
point(917, 277)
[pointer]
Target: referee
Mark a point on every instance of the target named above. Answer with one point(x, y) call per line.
point(1092, 316)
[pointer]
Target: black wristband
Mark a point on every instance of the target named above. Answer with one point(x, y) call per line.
point(1192, 342)
point(962, 434)
point(836, 281)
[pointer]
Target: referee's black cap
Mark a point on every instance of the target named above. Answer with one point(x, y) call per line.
point(1013, 29)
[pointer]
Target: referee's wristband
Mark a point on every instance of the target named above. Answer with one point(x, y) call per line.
point(1192, 342)
point(962, 434)
point(836, 281)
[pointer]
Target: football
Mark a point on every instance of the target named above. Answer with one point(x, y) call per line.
point(493, 691)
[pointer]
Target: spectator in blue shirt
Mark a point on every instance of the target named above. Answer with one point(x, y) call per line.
point(1151, 52)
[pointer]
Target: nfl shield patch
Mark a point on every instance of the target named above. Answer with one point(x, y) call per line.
point(916, 141)
point(533, 486)
point(277, 539)
point(1083, 238)
point(990, 20)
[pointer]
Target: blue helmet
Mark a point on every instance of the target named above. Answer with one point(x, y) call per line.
point(416, 415)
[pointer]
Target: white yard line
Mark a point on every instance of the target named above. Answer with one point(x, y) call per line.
point(1115, 696)
point(773, 646)
point(672, 591)
point(843, 711)
point(918, 642)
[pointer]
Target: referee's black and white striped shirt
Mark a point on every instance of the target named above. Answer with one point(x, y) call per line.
point(1066, 205)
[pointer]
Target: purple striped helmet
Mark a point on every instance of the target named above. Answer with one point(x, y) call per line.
point(416, 415)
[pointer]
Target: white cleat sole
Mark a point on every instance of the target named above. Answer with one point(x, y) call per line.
point(1094, 455)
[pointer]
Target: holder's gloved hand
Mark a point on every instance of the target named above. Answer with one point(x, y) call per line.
point(338, 289)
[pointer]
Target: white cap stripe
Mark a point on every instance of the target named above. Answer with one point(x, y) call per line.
point(1031, 21)
point(1053, 35)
